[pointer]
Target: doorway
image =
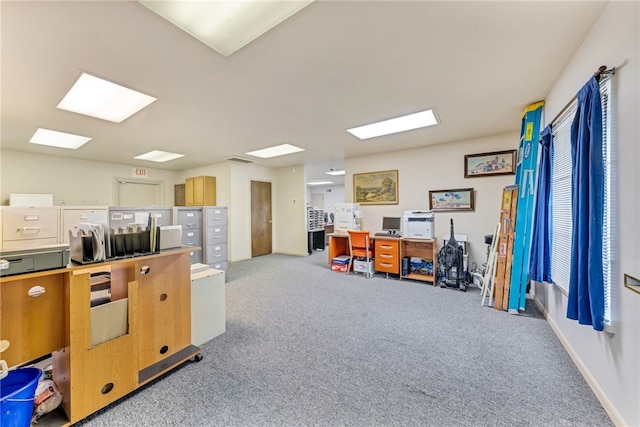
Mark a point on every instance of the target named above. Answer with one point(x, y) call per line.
point(134, 192)
point(261, 222)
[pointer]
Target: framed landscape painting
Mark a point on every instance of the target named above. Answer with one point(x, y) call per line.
point(451, 200)
point(376, 188)
point(487, 164)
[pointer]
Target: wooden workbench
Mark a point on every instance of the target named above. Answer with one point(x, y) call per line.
point(156, 289)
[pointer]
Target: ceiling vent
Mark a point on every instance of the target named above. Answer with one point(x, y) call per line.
point(239, 159)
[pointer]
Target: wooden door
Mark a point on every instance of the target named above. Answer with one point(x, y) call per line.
point(261, 237)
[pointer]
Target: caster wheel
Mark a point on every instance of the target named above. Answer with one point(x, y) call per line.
point(198, 357)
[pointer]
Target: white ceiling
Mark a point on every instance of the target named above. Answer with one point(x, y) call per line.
point(332, 66)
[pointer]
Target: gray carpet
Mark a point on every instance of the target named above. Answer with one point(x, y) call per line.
point(306, 346)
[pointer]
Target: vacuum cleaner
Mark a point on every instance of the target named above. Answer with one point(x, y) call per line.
point(451, 264)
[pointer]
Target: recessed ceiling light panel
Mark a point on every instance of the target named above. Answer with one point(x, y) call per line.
point(278, 150)
point(335, 173)
point(398, 124)
point(104, 100)
point(225, 26)
point(158, 156)
point(319, 182)
point(58, 139)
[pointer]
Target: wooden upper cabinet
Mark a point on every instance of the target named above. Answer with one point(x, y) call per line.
point(200, 191)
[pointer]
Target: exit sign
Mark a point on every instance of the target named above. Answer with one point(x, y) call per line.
point(140, 173)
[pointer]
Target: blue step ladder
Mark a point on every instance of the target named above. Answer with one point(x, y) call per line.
point(526, 179)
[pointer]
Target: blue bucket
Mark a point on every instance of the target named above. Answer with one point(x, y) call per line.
point(17, 392)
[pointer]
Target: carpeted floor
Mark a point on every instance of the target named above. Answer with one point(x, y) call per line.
point(306, 346)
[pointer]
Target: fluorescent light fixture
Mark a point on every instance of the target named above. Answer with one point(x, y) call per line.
point(158, 156)
point(225, 26)
point(54, 138)
point(104, 100)
point(278, 150)
point(399, 124)
point(335, 173)
point(319, 182)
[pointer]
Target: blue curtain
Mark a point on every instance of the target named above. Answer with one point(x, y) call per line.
point(586, 284)
point(540, 258)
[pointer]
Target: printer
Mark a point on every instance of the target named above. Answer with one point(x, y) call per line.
point(418, 225)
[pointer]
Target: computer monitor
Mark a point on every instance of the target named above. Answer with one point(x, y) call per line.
point(391, 224)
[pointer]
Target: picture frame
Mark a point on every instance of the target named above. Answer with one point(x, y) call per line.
point(490, 164)
point(461, 199)
point(376, 188)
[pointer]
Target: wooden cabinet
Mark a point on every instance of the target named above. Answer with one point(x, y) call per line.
point(92, 376)
point(31, 316)
point(165, 286)
point(426, 249)
point(95, 363)
point(387, 258)
point(200, 191)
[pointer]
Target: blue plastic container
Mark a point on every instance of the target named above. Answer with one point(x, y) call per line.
point(17, 392)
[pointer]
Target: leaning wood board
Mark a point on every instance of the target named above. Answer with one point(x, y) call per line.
point(505, 247)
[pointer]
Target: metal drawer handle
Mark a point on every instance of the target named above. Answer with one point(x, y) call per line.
point(383, 264)
point(29, 229)
point(385, 256)
point(145, 269)
point(36, 291)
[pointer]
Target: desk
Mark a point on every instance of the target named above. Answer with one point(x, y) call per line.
point(388, 253)
point(338, 245)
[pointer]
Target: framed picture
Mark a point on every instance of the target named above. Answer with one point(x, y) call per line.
point(376, 188)
point(487, 164)
point(451, 200)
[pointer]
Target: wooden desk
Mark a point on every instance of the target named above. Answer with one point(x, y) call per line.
point(156, 292)
point(388, 253)
point(338, 245)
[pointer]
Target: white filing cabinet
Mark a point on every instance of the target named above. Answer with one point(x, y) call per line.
point(208, 316)
point(73, 215)
point(24, 227)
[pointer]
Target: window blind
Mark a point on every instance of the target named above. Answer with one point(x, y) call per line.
point(561, 212)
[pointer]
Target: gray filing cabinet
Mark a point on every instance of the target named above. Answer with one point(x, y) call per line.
point(215, 237)
point(191, 220)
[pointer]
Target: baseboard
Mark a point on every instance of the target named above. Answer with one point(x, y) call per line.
point(615, 416)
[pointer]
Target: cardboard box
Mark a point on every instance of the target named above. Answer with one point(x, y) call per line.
point(342, 268)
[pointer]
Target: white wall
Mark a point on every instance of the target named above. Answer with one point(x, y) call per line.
point(240, 207)
point(290, 225)
point(332, 195)
point(72, 182)
point(609, 362)
point(439, 167)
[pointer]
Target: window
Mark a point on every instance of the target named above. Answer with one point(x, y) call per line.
point(561, 215)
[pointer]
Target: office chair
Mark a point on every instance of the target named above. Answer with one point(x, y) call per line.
point(359, 246)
